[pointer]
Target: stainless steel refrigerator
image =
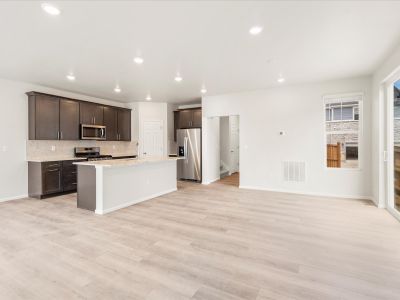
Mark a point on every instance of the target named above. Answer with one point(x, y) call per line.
point(189, 152)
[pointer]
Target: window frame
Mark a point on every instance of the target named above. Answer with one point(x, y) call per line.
point(345, 97)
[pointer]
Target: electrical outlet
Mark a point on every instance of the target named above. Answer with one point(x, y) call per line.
point(53, 148)
point(4, 148)
point(113, 147)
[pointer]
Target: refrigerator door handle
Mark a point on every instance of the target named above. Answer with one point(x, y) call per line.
point(185, 145)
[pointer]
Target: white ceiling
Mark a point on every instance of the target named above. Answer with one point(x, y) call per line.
point(207, 42)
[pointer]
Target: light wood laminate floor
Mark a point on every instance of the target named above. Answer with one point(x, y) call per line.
point(201, 242)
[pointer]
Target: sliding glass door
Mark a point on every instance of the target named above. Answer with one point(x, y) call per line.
point(394, 114)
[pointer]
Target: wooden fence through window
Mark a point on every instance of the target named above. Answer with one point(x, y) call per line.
point(333, 156)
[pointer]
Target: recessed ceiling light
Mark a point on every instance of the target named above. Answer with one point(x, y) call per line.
point(203, 90)
point(138, 60)
point(148, 98)
point(281, 79)
point(178, 78)
point(255, 30)
point(71, 77)
point(117, 89)
point(50, 9)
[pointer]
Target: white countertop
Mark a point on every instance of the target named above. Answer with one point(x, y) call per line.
point(125, 162)
point(60, 158)
point(45, 159)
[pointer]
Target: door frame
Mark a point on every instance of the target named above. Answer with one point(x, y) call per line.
point(389, 145)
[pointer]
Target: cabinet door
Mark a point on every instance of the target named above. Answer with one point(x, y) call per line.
point(124, 124)
point(98, 114)
point(111, 123)
point(52, 179)
point(185, 119)
point(69, 176)
point(69, 119)
point(196, 118)
point(47, 117)
point(86, 113)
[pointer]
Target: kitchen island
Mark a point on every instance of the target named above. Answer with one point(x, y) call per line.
point(108, 185)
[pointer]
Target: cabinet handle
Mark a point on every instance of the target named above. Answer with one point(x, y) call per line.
point(61, 135)
point(94, 120)
point(74, 183)
point(53, 170)
point(58, 135)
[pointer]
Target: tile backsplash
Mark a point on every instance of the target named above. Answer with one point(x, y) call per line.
point(39, 149)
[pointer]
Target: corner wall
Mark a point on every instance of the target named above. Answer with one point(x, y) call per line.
point(298, 110)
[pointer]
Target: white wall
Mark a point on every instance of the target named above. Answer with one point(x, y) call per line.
point(210, 150)
point(172, 146)
point(298, 110)
point(388, 68)
point(14, 134)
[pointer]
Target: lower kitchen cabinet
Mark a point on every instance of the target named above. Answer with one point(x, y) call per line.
point(50, 178)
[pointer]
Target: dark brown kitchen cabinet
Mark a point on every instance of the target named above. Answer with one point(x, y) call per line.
point(185, 118)
point(58, 118)
point(188, 118)
point(51, 178)
point(118, 123)
point(91, 113)
point(124, 124)
point(44, 117)
point(196, 118)
point(111, 123)
point(69, 176)
point(69, 119)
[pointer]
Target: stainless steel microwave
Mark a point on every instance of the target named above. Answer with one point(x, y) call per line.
point(93, 132)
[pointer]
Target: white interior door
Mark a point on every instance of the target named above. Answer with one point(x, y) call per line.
point(234, 143)
point(153, 142)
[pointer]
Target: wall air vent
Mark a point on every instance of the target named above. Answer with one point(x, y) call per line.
point(294, 171)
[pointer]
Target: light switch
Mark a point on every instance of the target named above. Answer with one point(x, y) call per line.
point(4, 148)
point(53, 148)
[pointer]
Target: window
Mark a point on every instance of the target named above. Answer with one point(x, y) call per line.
point(342, 128)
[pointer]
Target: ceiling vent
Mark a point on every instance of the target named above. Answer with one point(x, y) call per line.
point(294, 171)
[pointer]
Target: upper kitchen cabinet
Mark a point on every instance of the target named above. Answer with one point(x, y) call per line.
point(57, 118)
point(124, 124)
point(118, 123)
point(91, 113)
point(44, 117)
point(188, 118)
point(111, 123)
point(196, 118)
point(69, 119)
point(52, 117)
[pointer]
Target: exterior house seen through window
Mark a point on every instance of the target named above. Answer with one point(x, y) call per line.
point(342, 128)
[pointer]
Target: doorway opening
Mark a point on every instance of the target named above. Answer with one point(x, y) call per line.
point(229, 150)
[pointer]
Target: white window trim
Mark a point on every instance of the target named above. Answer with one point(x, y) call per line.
point(349, 97)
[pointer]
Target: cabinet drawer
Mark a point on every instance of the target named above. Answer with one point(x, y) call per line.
point(51, 165)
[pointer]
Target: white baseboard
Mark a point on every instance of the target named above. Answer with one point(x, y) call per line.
point(211, 181)
point(394, 213)
point(13, 198)
point(108, 210)
point(306, 193)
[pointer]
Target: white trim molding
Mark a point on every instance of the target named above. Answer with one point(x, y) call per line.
point(355, 197)
point(13, 198)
